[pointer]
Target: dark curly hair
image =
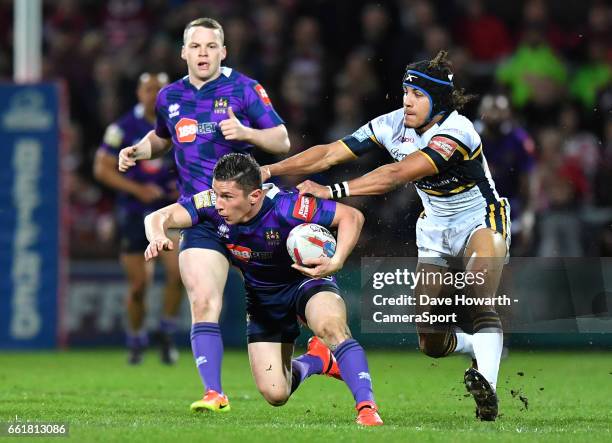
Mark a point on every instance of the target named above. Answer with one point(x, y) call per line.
point(442, 67)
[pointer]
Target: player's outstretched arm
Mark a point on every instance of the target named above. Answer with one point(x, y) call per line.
point(157, 225)
point(379, 181)
point(315, 159)
point(349, 222)
point(151, 146)
point(273, 140)
point(388, 177)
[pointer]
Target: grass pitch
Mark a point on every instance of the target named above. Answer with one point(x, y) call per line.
point(544, 396)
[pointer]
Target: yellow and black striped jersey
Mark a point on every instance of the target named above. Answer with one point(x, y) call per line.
point(462, 180)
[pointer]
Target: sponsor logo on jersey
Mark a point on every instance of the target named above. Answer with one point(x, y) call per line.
point(305, 207)
point(272, 237)
point(362, 134)
point(397, 154)
point(187, 129)
point(220, 105)
point(205, 199)
point(173, 110)
point(223, 231)
point(443, 146)
point(263, 95)
point(242, 253)
point(245, 254)
point(435, 183)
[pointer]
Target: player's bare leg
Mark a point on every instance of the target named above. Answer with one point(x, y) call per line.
point(139, 274)
point(204, 273)
point(485, 253)
point(326, 317)
point(271, 368)
point(173, 292)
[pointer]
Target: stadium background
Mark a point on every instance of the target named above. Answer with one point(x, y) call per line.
point(329, 67)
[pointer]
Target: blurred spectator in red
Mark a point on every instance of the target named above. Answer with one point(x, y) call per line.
point(580, 147)
point(125, 25)
point(67, 16)
point(561, 187)
point(484, 35)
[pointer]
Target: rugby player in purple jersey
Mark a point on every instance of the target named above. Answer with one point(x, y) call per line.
point(211, 112)
point(255, 221)
point(148, 186)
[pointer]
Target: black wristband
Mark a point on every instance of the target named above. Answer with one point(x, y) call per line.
point(339, 190)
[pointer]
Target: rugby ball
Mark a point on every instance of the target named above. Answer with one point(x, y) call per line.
point(310, 240)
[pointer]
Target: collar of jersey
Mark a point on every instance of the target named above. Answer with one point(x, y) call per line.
point(268, 203)
point(205, 87)
point(438, 124)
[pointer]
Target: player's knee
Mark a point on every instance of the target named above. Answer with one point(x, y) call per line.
point(275, 397)
point(205, 304)
point(432, 347)
point(137, 291)
point(333, 331)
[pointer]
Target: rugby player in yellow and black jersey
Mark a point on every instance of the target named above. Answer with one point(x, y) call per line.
point(465, 222)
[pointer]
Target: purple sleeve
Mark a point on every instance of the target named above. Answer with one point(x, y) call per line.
point(304, 208)
point(258, 107)
point(325, 212)
point(187, 203)
point(161, 129)
point(201, 206)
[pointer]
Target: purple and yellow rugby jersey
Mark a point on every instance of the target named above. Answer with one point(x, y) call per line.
point(258, 247)
point(191, 117)
point(129, 130)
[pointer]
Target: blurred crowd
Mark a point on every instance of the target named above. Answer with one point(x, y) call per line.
point(541, 72)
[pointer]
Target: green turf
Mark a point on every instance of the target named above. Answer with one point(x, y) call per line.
point(569, 399)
